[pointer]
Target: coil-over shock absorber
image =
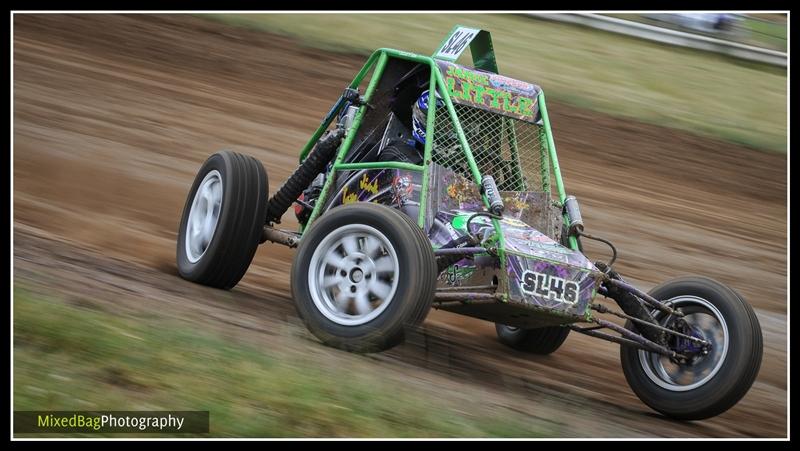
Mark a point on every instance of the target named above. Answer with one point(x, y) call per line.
point(313, 165)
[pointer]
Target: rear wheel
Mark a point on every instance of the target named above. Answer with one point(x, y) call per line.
point(222, 220)
point(363, 274)
point(542, 340)
point(710, 382)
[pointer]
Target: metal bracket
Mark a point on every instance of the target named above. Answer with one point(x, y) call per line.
point(279, 236)
point(353, 96)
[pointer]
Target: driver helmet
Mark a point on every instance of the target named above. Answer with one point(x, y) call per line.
point(419, 115)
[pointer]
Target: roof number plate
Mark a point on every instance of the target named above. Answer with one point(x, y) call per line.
point(456, 43)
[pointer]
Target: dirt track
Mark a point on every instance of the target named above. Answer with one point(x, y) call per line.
point(114, 114)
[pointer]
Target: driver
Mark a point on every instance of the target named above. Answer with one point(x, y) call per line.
point(412, 150)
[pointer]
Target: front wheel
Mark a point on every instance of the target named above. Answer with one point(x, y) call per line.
point(222, 220)
point(711, 381)
point(363, 274)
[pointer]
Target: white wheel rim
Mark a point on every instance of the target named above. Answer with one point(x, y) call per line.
point(353, 275)
point(712, 326)
point(203, 216)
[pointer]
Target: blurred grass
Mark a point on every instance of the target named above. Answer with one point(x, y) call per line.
point(696, 91)
point(769, 34)
point(73, 358)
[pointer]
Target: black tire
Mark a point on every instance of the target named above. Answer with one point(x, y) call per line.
point(542, 340)
point(239, 225)
point(739, 366)
point(406, 308)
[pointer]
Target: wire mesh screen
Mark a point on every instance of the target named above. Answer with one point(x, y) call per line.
point(510, 150)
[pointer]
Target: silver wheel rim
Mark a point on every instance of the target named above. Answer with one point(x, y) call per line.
point(203, 216)
point(353, 275)
point(676, 377)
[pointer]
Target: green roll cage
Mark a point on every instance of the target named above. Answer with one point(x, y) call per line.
point(483, 58)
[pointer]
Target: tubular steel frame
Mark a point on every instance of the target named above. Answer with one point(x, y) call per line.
point(376, 63)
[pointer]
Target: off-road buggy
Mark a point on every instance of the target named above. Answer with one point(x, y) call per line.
point(483, 227)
